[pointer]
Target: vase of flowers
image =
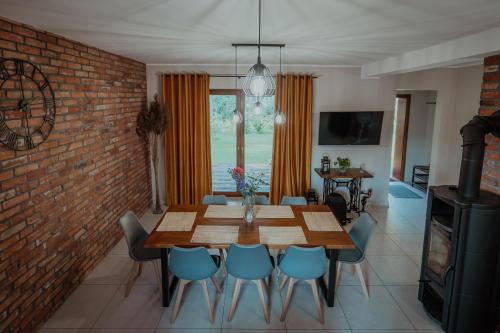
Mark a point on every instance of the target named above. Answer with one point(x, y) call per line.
point(249, 186)
point(344, 164)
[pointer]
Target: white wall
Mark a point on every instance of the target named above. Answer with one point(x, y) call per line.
point(337, 89)
point(420, 125)
point(458, 93)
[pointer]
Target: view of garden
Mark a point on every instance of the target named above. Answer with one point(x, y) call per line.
point(258, 129)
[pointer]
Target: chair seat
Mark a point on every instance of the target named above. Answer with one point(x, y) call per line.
point(141, 253)
point(246, 271)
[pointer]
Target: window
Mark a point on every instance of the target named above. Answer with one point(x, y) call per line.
point(248, 145)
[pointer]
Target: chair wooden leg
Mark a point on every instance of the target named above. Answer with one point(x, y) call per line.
point(339, 271)
point(131, 277)
point(207, 298)
point(261, 286)
point(139, 271)
point(284, 279)
point(288, 298)
point(361, 276)
point(236, 293)
point(178, 299)
point(223, 261)
point(314, 287)
point(216, 284)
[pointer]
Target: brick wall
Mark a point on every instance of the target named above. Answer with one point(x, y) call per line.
point(490, 102)
point(60, 202)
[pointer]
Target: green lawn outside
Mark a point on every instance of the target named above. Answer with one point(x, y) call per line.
point(258, 147)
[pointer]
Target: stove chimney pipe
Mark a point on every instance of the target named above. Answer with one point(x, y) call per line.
point(473, 134)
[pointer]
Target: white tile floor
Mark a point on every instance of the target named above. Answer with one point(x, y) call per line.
point(393, 257)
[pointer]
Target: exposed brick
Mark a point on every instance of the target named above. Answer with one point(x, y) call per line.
point(60, 202)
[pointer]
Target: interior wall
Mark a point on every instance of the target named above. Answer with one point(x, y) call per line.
point(420, 125)
point(458, 93)
point(336, 89)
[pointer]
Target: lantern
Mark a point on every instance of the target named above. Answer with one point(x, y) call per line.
point(325, 164)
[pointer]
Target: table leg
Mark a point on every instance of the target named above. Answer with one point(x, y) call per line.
point(167, 288)
point(329, 290)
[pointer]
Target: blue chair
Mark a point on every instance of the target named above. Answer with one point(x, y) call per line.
point(293, 201)
point(360, 234)
point(306, 264)
point(214, 200)
point(135, 236)
point(261, 200)
point(193, 264)
point(250, 263)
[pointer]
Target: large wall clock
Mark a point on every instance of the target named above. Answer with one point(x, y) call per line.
point(27, 105)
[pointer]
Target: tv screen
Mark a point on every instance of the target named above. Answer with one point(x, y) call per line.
point(350, 128)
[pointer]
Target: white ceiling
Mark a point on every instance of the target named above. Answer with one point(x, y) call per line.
point(317, 32)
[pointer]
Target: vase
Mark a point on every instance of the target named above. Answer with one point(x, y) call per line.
point(249, 213)
point(343, 168)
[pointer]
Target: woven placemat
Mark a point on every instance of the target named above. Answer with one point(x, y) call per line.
point(273, 212)
point(177, 221)
point(321, 221)
point(282, 235)
point(224, 212)
point(215, 234)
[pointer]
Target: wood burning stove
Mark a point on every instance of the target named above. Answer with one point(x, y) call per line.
point(460, 272)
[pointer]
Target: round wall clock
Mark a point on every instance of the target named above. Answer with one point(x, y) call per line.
point(27, 105)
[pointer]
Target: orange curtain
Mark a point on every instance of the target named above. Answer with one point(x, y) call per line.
point(188, 175)
point(292, 141)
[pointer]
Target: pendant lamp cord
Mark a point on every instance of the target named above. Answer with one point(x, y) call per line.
point(259, 24)
point(236, 67)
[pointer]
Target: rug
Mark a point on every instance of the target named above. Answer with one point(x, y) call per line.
point(401, 192)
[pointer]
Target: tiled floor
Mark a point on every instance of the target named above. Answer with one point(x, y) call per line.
point(393, 256)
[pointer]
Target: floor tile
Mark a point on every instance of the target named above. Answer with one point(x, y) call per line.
point(122, 330)
point(395, 270)
point(62, 330)
point(302, 312)
point(120, 247)
point(406, 297)
point(384, 331)
point(411, 244)
point(382, 245)
point(187, 330)
point(317, 331)
point(249, 313)
point(193, 312)
point(113, 269)
point(380, 311)
point(252, 331)
point(83, 307)
point(141, 309)
point(349, 279)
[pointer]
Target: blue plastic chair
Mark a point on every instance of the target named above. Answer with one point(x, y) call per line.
point(299, 263)
point(135, 236)
point(293, 201)
point(261, 200)
point(249, 263)
point(214, 200)
point(193, 264)
point(360, 234)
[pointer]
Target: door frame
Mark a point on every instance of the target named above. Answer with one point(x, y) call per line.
point(405, 135)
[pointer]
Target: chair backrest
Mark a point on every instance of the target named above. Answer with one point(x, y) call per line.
point(293, 201)
point(249, 262)
point(261, 200)
point(304, 263)
point(191, 263)
point(133, 230)
point(361, 231)
point(214, 200)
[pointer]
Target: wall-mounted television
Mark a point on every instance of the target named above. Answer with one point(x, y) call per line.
point(350, 128)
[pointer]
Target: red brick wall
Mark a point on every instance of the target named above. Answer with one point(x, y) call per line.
point(490, 102)
point(60, 202)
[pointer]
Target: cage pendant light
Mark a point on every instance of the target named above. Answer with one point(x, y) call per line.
point(259, 81)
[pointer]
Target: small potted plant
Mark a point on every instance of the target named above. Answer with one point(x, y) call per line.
point(343, 163)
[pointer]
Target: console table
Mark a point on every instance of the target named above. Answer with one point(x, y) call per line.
point(352, 179)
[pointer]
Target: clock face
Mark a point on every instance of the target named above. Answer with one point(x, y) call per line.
point(27, 105)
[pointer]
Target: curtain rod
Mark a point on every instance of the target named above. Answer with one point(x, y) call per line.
point(239, 76)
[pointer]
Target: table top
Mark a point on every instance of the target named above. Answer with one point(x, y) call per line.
point(350, 173)
point(249, 233)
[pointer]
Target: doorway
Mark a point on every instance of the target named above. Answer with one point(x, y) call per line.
point(414, 113)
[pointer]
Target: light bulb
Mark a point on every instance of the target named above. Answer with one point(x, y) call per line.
point(279, 118)
point(258, 107)
point(237, 118)
point(258, 86)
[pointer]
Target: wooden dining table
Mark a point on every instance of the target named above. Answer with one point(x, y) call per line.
point(248, 234)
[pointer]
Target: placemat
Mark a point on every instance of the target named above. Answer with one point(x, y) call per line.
point(177, 221)
point(224, 211)
point(321, 221)
point(215, 234)
point(273, 212)
point(282, 235)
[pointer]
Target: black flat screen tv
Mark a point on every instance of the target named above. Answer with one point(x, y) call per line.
point(350, 128)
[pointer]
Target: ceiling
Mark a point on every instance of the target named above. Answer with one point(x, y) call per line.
point(317, 32)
